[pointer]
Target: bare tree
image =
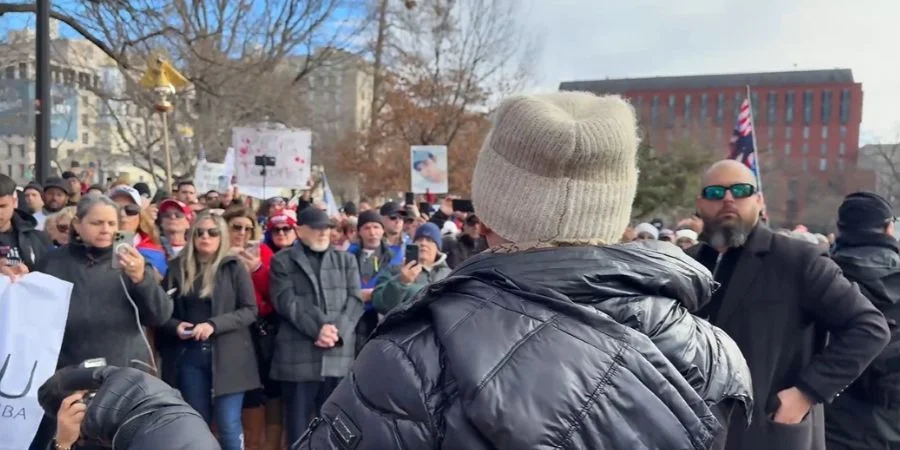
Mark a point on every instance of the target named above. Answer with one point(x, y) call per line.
point(244, 58)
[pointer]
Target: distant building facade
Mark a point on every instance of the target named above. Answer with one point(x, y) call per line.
point(806, 125)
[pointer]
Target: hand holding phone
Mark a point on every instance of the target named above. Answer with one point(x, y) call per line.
point(185, 330)
point(411, 253)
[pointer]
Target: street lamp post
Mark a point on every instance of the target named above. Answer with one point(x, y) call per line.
point(164, 81)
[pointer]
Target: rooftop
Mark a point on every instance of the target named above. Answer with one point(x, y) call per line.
point(622, 85)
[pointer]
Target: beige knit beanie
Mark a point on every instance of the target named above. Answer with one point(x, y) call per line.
point(558, 167)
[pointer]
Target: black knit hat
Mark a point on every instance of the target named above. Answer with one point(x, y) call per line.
point(864, 211)
point(370, 216)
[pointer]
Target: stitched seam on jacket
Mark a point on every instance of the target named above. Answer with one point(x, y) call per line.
point(598, 390)
point(481, 305)
point(500, 364)
point(388, 414)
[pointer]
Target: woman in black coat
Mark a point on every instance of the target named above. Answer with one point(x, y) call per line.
point(206, 346)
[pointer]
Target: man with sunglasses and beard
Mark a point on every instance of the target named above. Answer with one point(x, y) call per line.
point(778, 298)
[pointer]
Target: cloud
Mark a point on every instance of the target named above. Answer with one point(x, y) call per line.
point(592, 39)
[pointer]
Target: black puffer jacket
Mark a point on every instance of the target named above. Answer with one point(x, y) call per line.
point(567, 348)
point(131, 410)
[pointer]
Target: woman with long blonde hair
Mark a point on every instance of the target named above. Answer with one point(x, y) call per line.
point(206, 346)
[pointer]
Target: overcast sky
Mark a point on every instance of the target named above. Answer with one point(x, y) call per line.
point(591, 39)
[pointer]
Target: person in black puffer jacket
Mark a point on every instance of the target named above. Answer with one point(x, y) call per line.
point(552, 338)
point(131, 410)
point(867, 415)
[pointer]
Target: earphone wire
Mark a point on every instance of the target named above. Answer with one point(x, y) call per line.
point(137, 318)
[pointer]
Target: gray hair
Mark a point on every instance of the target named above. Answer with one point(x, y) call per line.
point(87, 204)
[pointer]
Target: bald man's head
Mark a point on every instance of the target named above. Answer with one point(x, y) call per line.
point(730, 169)
point(729, 204)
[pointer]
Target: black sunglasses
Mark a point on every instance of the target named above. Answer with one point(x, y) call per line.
point(738, 191)
point(173, 214)
point(131, 210)
point(240, 228)
point(211, 232)
point(282, 230)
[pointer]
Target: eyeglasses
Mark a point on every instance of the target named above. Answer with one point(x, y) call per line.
point(395, 217)
point(131, 210)
point(62, 228)
point(738, 191)
point(211, 232)
point(173, 214)
point(282, 230)
point(238, 228)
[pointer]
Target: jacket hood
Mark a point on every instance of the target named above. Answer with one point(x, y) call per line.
point(22, 221)
point(594, 274)
point(875, 266)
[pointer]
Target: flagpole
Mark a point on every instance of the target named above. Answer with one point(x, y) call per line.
point(756, 148)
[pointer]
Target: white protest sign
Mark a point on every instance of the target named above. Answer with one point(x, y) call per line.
point(33, 313)
point(210, 177)
point(286, 153)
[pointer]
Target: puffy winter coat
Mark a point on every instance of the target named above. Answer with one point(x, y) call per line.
point(131, 410)
point(564, 348)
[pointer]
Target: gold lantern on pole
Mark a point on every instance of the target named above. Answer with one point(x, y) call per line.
point(164, 81)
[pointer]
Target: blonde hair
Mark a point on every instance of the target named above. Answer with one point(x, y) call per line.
point(64, 215)
point(188, 270)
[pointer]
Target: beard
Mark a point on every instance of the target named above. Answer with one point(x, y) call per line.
point(720, 234)
point(318, 247)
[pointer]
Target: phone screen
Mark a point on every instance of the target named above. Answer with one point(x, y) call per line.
point(463, 206)
point(412, 253)
point(409, 199)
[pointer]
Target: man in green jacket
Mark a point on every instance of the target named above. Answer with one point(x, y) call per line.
point(431, 267)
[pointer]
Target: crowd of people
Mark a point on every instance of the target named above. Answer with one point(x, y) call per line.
point(546, 320)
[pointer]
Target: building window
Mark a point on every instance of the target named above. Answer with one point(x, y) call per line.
point(704, 112)
point(9, 150)
point(824, 131)
point(787, 149)
point(823, 164)
point(789, 107)
point(23, 71)
point(843, 131)
point(805, 148)
point(807, 107)
point(772, 108)
point(687, 108)
point(842, 149)
point(654, 110)
point(845, 106)
point(85, 138)
point(720, 108)
point(21, 170)
point(11, 73)
point(840, 164)
point(22, 150)
point(671, 110)
point(85, 120)
point(805, 132)
point(823, 149)
point(805, 165)
point(771, 133)
point(788, 132)
point(754, 106)
point(826, 106)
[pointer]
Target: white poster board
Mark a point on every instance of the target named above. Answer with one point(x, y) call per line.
point(33, 313)
point(211, 177)
point(428, 169)
point(291, 152)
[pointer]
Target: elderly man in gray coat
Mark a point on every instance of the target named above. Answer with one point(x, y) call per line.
point(316, 293)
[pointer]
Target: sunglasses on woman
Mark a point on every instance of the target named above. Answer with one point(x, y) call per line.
point(282, 230)
point(718, 192)
point(131, 210)
point(62, 228)
point(238, 228)
point(211, 232)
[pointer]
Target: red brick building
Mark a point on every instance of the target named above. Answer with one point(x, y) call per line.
point(806, 125)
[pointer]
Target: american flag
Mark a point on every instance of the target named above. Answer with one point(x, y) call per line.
point(742, 148)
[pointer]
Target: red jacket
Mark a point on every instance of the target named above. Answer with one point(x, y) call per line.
point(261, 281)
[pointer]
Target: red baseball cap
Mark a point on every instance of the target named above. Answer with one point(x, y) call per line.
point(171, 203)
point(280, 220)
